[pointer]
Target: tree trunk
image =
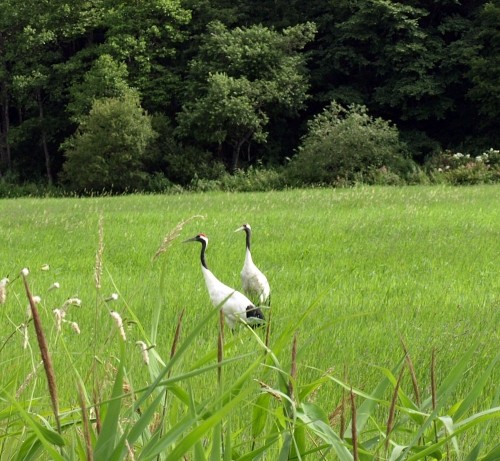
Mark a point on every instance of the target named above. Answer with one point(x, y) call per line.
point(236, 155)
point(44, 139)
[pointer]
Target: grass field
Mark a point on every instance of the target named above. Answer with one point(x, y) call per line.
point(378, 265)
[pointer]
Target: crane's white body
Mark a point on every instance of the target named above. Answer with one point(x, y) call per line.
point(253, 281)
point(234, 304)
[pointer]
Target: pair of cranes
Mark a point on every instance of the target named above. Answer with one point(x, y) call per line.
point(235, 305)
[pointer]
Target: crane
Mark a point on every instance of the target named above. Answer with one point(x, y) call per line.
point(235, 305)
point(254, 282)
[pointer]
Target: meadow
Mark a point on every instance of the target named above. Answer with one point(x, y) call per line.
point(356, 275)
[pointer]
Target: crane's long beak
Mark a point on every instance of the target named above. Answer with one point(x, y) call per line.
point(239, 229)
point(193, 239)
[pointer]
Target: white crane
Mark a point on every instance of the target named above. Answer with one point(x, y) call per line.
point(235, 305)
point(254, 282)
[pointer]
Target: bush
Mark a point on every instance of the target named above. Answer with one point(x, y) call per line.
point(343, 144)
point(250, 180)
point(462, 169)
point(106, 153)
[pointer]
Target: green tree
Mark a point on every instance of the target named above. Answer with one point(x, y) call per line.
point(146, 36)
point(485, 71)
point(105, 79)
point(240, 79)
point(107, 151)
point(343, 142)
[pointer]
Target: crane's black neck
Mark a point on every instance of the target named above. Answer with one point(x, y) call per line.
point(249, 236)
point(202, 253)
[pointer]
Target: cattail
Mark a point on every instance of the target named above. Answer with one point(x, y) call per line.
point(119, 323)
point(75, 327)
point(144, 351)
point(392, 411)
point(354, 429)
point(413, 375)
point(3, 290)
point(44, 351)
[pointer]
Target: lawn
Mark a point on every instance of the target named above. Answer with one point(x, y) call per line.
point(372, 266)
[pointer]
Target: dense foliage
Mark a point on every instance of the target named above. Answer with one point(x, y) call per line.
point(234, 84)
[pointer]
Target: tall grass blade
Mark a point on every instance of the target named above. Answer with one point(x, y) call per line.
point(475, 392)
point(109, 432)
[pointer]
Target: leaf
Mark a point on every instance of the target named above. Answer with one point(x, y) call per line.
point(316, 420)
point(106, 440)
point(475, 392)
point(260, 412)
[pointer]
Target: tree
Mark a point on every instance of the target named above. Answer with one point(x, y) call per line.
point(106, 153)
point(239, 80)
point(485, 70)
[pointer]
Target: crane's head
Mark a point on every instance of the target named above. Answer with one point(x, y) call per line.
point(202, 238)
point(245, 227)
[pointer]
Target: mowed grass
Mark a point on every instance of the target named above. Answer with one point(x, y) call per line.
point(378, 265)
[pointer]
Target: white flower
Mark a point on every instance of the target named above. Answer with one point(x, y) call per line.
point(440, 169)
point(458, 155)
point(37, 299)
point(25, 272)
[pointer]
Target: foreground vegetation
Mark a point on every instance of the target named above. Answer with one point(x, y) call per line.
point(359, 277)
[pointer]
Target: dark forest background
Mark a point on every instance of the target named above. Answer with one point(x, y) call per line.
point(124, 95)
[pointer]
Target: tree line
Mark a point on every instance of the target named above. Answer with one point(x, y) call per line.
point(111, 93)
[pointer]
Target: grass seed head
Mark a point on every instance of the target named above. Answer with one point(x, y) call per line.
point(144, 351)
point(75, 327)
point(3, 290)
point(119, 323)
point(45, 267)
point(59, 314)
point(25, 272)
point(112, 297)
point(54, 286)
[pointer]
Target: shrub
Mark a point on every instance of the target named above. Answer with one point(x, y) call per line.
point(254, 179)
point(344, 143)
point(106, 153)
point(461, 169)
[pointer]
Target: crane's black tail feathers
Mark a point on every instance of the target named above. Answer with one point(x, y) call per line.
point(255, 317)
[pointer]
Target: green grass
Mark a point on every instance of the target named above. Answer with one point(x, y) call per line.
point(379, 264)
